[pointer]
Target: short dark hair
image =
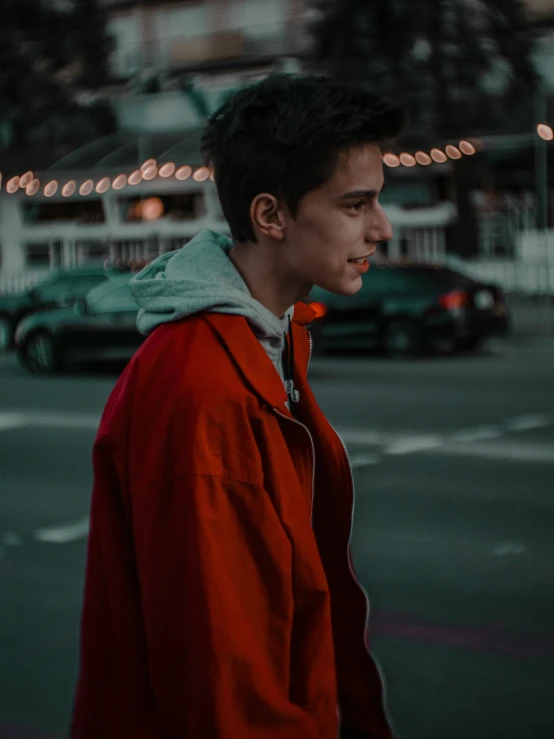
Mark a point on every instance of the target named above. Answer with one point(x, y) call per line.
point(283, 135)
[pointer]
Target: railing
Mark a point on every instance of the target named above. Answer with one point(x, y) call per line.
point(15, 284)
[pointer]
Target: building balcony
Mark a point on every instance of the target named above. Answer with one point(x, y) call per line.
point(256, 45)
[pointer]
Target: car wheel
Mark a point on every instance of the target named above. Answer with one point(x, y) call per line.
point(6, 333)
point(471, 344)
point(40, 354)
point(401, 338)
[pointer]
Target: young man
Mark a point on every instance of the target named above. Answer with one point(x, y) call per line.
point(220, 598)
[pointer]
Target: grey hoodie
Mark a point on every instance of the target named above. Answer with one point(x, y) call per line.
point(201, 277)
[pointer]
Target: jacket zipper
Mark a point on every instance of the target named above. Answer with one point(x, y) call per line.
point(298, 423)
point(306, 429)
point(294, 420)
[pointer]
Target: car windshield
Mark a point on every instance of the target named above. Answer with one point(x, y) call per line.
point(113, 295)
point(65, 284)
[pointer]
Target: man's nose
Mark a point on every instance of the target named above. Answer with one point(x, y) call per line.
point(381, 229)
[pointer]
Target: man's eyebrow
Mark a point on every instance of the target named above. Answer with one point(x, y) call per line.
point(358, 194)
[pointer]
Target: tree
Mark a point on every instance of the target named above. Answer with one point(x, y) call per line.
point(53, 59)
point(458, 66)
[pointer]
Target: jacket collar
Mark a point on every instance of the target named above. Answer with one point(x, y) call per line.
point(251, 357)
point(303, 314)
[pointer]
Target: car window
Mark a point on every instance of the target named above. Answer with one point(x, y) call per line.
point(54, 289)
point(113, 298)
point(449, 278)
point(404, 280)
point(82, 284)
point(378, 281)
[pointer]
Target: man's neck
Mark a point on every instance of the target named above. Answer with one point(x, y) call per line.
point(257, 267)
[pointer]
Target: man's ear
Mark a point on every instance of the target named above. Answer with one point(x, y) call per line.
point(268, 216)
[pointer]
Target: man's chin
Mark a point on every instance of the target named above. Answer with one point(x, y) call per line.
point(345, 288)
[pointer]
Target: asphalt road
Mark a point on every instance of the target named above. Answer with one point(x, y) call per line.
point(453, 460)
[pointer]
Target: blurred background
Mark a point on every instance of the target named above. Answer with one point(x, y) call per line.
point(439, 377)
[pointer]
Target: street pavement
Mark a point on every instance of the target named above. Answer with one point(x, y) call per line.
point(453, 460)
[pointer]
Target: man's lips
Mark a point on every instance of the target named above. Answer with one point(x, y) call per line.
point(366, 256)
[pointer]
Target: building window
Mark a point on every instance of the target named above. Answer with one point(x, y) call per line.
point(177, 207)
point(84, 211)
point(37, 255)
point(91, 251)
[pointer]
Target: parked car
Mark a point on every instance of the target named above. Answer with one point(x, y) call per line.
point(60, 288)
point(100, 326)
point(404, 308)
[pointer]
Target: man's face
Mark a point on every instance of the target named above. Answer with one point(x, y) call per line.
point(340, 221)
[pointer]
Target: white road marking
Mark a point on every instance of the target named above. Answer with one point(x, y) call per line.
point(411, 444)
point(363, 460)
point(63, 533)
point(509, 548)
point(361, 436)
point(528, 423)
point(63, 420)
point(12, 420)
point(10, 539)
point(507, 450)
point(479, 433)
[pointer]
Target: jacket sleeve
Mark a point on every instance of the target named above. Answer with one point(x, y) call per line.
point(214, 569)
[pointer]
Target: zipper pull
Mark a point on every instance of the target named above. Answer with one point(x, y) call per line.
point(291, 391)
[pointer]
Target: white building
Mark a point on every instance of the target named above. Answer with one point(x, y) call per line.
point(143, 191)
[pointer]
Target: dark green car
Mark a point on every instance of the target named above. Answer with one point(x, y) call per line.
point(61, 288)
point(100, 326)
point(407, 308)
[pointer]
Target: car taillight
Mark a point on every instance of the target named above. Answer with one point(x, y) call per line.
point(453, 300)
point(320, 309)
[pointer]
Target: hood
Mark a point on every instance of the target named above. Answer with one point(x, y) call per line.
point(201, 277)
point(13, 302)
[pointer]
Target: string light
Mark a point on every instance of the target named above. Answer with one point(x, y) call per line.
point(119, 182)
point(391, 160)
point(150, 172)
point(453, 152)
point(183, 173)
point(201, 174)
point(86, 188)
point(438, 156)
point(545, 132)
point(407, 160)
point(423, 158)
point(147, 164)
point(135, 177)
point(50, 189)
point(33, 187)
point(25, 179)
point(167, 169)
point(467, 147)
point(149, 169)
point(69, 188)
point(12, 185)
point(103, 185)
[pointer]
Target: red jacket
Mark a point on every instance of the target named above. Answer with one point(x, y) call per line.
point(220, 600)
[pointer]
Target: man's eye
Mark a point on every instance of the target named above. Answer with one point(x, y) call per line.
point(357, 206)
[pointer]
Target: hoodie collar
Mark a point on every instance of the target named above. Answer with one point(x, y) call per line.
point(201, 277)
point(254, 362)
